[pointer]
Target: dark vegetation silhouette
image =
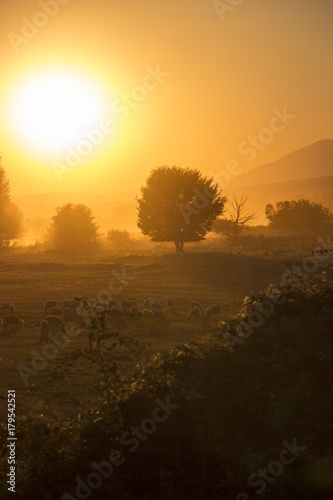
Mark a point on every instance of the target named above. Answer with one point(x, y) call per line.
point(73, 229)
point(179, 205)
point(234, 411)
point(302, 216)
point(117, 237)
point(11, 225)
point(237, 221)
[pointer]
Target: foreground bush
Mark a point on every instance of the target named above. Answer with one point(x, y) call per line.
point(201, 420)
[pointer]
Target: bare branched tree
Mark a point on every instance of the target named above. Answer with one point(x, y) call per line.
point(238, 220)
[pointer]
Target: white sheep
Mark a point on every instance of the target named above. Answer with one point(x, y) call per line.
point(54, 322)
point(216, 309)
point(117, 310)
point(12, 320)
point(48, 304)
point(147, 313)
point(194, 304)
point(126, 304)
point(170, 303)
point(56, 311)
point(154, 302)
point(134, 310)
point(111, 303)
point(73, 304)
point(4, 306)
point(159, 316)
point(99, 309)
point(11, 308)
point(208, 312)
point(195, 312)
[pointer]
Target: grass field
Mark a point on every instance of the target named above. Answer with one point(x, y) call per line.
point(71, 381)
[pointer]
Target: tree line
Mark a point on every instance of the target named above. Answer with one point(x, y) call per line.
point(176, 204)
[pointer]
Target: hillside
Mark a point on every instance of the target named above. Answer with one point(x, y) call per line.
point(312, 161)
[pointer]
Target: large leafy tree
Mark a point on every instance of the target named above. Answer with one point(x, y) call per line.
point(10, 215)
point(302, 216)
point(178, 204)
point(73, 228)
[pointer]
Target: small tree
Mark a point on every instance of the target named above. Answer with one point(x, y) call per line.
point(10, 216)
point(300, 216)
point(178, 205)
point(238, 221)
point(73, 228)
point(117, 237)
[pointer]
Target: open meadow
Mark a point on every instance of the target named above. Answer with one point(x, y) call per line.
point(71, 382)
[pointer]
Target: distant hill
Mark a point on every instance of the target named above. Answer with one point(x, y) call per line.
point(312, 161)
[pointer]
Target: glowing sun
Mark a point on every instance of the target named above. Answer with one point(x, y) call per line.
point(50, 110)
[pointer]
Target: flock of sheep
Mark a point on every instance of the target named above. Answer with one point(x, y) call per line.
point(83, 312)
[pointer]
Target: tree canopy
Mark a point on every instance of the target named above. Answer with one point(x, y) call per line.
point(10, 215)
point(73, 228)
point(179, 205)
point(302, 216)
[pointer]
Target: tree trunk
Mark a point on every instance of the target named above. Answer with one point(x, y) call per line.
point(179, 246)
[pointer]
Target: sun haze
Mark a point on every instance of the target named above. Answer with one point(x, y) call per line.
point(182, 83)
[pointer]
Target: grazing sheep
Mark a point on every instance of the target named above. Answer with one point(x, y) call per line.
point(126, 304)
point(147, 313)
point(196, 304)
point(216, 309)
point(156, 305)
point(208, 312)
point(73, 304)
point(44, 330)
point(12, 320)
point(112, 302)
point(54, 322)
point(105, 305)
point(170, 303)
point(98, 304)
point(159, 316)
point(66, 303)
point(134, 310)
point(195, 312)
point(154, 302)
point(4, 306)
point(99, 309)
point(11, 308)
point(56, 311)
point(48, 304)
point(117, 310)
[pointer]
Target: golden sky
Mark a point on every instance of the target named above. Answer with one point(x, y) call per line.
point(111, 89)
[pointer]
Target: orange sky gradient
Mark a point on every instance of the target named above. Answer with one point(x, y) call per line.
point(221, 80)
